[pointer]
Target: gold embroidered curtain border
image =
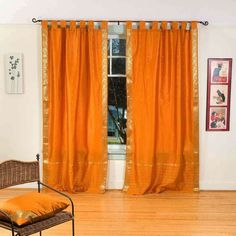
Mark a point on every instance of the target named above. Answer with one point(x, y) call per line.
point(104, 101)
point(129, 81)
point(194, 35)
point(45, 97)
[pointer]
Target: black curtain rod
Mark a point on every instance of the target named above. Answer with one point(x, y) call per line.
point(205, 23)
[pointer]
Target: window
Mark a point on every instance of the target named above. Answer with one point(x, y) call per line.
point(117, 104)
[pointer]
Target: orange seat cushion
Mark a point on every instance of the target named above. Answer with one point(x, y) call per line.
point(32, 207)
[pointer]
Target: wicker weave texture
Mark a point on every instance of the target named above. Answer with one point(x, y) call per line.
point(40, 225)
point(16, 172)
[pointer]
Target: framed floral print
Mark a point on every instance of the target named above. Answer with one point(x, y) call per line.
point(14, 73)
point(218, 94)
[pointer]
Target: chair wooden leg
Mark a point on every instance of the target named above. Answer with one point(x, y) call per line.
point(40, 233)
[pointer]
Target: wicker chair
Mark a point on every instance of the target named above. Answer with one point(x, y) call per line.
point(16, 172)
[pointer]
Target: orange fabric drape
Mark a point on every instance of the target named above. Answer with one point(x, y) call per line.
point(160, 93)
point(75, 159)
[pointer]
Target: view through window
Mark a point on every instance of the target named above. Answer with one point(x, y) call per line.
point(117, 104)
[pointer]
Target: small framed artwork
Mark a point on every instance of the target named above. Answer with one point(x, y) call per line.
point(218, 94)
point(14, 73)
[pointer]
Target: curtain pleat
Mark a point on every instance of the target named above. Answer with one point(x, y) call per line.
point(75, 154)
point(162, 129)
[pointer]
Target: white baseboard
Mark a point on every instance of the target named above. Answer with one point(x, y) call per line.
point(218, 186)
point(115, 185)
point(118, 185)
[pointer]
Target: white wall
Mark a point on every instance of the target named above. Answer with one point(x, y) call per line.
point(20, 118)
point(20, 115)
point(22, 11)
point(217, 149)
point(115, 174)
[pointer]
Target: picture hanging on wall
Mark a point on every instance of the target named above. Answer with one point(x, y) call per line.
point(14, 73)
point(218, 94)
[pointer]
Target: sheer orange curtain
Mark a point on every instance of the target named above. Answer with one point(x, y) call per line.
point(74, 105)
point(162, 135)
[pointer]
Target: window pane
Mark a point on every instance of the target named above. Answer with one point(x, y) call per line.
point(118, 47)
point(118, 66)
point(117, 91)
point(117, 106)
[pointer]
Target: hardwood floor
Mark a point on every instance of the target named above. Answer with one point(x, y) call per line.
point(170, 213)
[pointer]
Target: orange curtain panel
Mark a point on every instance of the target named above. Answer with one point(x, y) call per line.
point(162, 93)
point(74, 105)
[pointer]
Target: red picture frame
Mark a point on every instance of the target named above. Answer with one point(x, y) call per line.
point(219, 73)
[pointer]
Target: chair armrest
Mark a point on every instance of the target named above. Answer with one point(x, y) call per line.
point(63, 194)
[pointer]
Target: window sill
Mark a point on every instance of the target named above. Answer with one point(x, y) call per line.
point(116, 152)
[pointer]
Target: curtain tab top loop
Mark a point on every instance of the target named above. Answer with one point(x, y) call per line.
point(90, 24)
point(104, 24)
point(54, 24)
point(155, 25)
point(63, 24)
point(164, 25)
point(44, 24)
point(82, 24)
point(175, 25)
point(72, 24)
point(184, 25)
point(142, 25)
point(193, 25)
point(129, 25)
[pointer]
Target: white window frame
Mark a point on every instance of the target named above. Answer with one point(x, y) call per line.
point(115, 151)
point(111, 56)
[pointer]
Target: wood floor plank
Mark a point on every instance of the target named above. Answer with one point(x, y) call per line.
point(169, 214)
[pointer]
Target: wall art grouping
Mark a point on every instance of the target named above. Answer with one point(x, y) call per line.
point(14, 73)
point(218, 94)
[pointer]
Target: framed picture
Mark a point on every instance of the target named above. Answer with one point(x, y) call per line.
point(218, 94)
point(217, 118)
point(220, 70)
point(14, 73)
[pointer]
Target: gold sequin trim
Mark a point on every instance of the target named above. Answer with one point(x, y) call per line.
point(129, 82)
point(104, 104)
point(194, 34)
point(45, 100)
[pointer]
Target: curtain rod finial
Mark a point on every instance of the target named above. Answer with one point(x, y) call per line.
point(205, 23)
point(34, 20)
